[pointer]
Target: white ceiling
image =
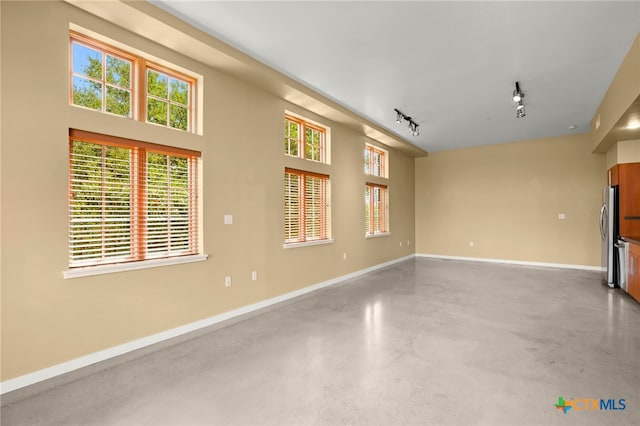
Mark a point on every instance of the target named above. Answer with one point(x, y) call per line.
point(451, 66)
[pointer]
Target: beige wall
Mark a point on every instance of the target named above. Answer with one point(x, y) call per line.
point(612, 156)
point(623, 152)
point(623, 91)
point(506, 199)
point(629, 151)
point(47, 320)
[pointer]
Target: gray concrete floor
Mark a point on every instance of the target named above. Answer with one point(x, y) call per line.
point(425, 342)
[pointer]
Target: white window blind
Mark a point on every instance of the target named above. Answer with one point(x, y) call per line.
point(376, 208)
point(130, 200)
point(100, 203)
point(306, 206)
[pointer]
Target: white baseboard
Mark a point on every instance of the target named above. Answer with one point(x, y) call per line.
point(513, 262)
point(96, 357)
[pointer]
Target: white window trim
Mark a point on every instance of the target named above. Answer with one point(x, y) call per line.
point(308, 243)
point(132, 266)
point(377, 234)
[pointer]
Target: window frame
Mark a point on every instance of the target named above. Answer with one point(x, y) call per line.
point(383, 170)
point(104, 49)
point(140, 256)
point(178, 76)
point(302, 142)
point(139, 86)
point(325, 218)
point(383, 209)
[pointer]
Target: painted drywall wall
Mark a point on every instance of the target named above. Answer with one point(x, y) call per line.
point(624, 152)
point(506, 200)
point(47, 320)
point(612, 156)
point(628, 151)
point(621, 94)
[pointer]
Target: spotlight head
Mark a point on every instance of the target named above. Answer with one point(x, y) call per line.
point(399, 116)
point(520, 105)
point(516, 96)
point(520, 113)
point(413, 128)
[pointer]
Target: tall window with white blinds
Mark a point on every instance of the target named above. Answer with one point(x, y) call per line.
point(130, 200)
point(100, 207)
point(306, 201)
point(376, 209)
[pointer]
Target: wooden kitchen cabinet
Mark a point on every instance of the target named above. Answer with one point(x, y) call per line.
point(627, 177)
point(633, 277)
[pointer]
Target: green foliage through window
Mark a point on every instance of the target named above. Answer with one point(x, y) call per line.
point(167, 100)
point(101, 81)
point(291, 137)
point(375, 161)
point(300, 135)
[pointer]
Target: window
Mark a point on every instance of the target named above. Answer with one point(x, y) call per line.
point(103, 77)
point(306, 208)
point(167, 100)
point(375, 161)
point(376, 209)
point(306, 193)
point(130, 200)
point(304, 140)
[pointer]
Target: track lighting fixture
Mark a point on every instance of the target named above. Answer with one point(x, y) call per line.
point(413, 126)
point(518, 96)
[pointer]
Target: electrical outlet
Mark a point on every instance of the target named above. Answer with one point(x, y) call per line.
point(227, 281)
point(254, 275)
point(408, 242)
point(400, 243)
point(344, 256)
point(471, 243)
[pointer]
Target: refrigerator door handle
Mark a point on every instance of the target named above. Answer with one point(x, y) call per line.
point(603, 221)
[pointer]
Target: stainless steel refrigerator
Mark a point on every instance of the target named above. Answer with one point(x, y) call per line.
point(609, 234)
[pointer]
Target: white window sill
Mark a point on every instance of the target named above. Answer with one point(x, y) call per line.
point(379, 234)
point(132, 266)
point(308, 243)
